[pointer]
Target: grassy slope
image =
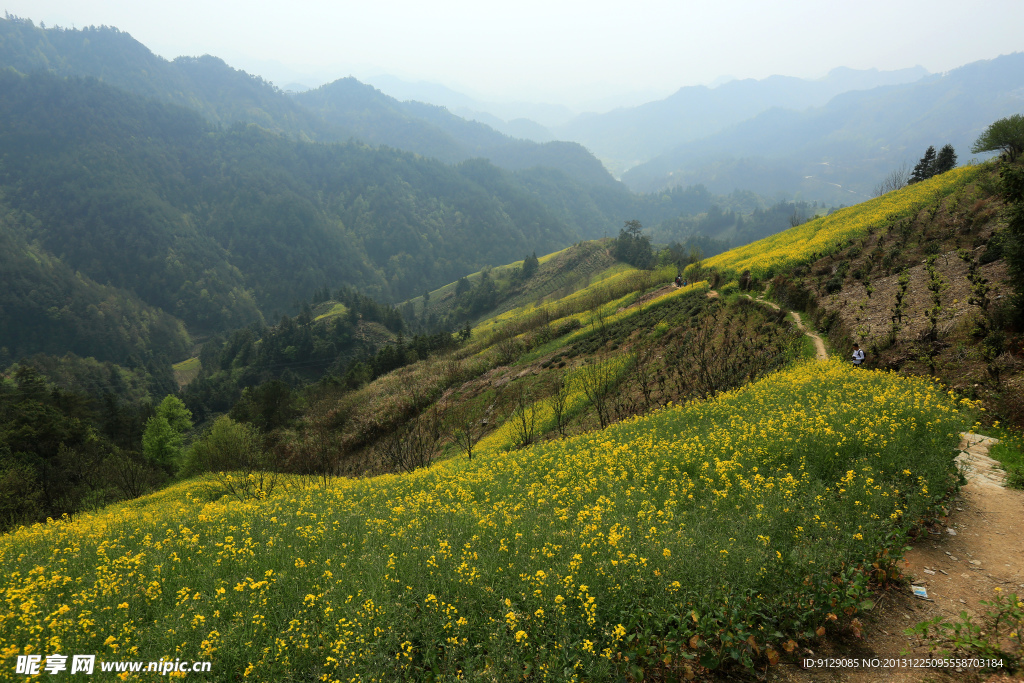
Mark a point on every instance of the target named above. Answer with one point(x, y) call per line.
point(851, 286)
point(186, 371)
point(560, 273)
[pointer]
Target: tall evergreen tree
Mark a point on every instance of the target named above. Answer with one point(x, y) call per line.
point(925, 167)
point(632, 246)
point(530, 265)
point(946, 161)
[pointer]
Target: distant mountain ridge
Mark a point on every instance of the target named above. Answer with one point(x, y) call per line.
point(205, 84)
point(225, 95)
point(123, 211)
point(434, 131)
point(838, 152)
point(627, 137)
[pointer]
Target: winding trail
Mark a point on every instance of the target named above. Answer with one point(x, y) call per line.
point(819, 346)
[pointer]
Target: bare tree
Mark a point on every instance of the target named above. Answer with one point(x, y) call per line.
point(896, 180)
point(129, 473)
point(597, 380)
point(524, 416)
point(319, 449)
point(415, 446)
point(641, 360)
point(599, 321)
point(467, 426)
point(560, 402)
point(643, 280)
point(451, 368)
point(509, 349)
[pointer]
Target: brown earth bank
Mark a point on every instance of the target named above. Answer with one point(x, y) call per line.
point(870, 317)
point(974, 347)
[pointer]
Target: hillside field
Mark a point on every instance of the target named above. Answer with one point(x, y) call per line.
point(704, 532)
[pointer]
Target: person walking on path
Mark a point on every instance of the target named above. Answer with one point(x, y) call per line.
point(858, 355)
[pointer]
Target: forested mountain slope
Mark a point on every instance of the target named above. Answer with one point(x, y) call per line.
point(205, 84)
point(434, 131)
point(47, 307)
point(218, 226)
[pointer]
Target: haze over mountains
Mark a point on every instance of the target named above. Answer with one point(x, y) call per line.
point(628, 135)
point(830, 139)
point(839, 151)
point(145, 201)
point(723, 137)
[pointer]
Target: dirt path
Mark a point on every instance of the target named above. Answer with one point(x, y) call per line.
point(819, 346)
point(647, 298)
point(959, 562)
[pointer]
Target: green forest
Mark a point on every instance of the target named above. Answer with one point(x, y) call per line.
point(220, 228)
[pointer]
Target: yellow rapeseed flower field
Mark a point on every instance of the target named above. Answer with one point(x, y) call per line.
point(654, 541)
point(821, 235)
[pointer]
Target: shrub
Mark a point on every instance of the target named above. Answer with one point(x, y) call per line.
point(227, 446)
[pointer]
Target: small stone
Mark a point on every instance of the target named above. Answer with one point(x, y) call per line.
point(976, 562)
point(928, 571)
point(951, 532)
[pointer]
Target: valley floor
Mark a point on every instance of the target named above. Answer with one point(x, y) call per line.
point(985, 553)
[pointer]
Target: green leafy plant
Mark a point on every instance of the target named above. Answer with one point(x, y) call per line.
point(1010, 454)
point(997, 635)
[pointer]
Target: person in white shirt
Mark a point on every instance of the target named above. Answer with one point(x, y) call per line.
point(858, 355)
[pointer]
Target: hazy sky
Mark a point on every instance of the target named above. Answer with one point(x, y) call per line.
point(554, 50)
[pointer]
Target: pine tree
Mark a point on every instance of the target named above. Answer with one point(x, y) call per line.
point(946, 161)
point(632, 246)
point(925, 167)
point(530, 266)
